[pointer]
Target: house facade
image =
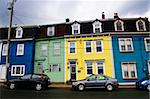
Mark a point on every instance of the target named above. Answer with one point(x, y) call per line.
point(21, 52)
point(49, 52)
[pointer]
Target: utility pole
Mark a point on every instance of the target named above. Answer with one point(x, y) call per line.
point(11, 8)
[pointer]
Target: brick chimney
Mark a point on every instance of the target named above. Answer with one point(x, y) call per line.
point(103, 15)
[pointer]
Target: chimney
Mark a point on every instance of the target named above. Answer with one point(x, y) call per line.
point(103, 15)
point(116, 15)
point(67, 20)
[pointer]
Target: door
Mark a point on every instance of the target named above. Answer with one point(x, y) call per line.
point(91, 81)
point(2, 72)
point(72, 70)
point(101, 81)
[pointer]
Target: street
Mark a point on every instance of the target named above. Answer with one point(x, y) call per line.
point(62, 93)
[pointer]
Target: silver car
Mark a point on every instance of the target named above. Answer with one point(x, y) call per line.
point(96, 81)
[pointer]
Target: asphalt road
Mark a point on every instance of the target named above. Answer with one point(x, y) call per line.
point(56, 93)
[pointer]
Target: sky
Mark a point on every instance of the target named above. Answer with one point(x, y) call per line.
point(40, 12)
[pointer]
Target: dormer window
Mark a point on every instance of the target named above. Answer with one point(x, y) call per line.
point(119, 25)
point(19, 32)
point(140, 25)
point(97, 27)
point(50, 31)
point(76, 28)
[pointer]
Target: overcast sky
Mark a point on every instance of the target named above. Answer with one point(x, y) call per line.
point(36, 12)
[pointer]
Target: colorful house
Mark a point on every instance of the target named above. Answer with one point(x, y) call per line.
point(131, 49)
point(49, 52)
point(21, 51)
point(88, 51)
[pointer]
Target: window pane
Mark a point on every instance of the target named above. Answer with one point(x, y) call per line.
point(72, 47)
point(55, 68)
point(56, 49)
point(17, 70)
point(89, 67)
point(141, 26)
point(132, 70)
point(125, 70)
point(88, 46)
point(44, 50)
point(119, 25)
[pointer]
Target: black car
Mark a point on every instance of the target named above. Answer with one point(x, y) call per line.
point(96, 81)
point(36, 81)
point(144, 83)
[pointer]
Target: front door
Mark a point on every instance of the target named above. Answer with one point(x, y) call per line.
point(72, 70)
point(2, 72)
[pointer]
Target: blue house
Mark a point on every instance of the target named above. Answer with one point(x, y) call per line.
point(21, 52)
point(131, 49)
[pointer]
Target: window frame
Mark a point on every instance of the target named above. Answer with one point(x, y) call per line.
point(15, 66)
point(17, 32)
point(126, 45)
point(54, 49)
point(52, 69)
point(73, 29)
point(18, 48)
point(138, 27)
point(4, 49)
point(88, 66)
point(86, 47)
point(94, 26)
point(102, 61)
point(146, 48)
point(129, 70)
point(148, 64)
point(74, 47)
point(42, 49)
point(52, 29)
point(99, 46)
point(122, 25)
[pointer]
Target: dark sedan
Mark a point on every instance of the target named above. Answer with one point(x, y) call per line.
point(36, 81)
point(96, 81)
point(143, 83)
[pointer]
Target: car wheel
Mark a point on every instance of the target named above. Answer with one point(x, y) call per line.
point(38, 87)
point(81, 87)
point(109, 87)
point(148, 87)
point(12, 86)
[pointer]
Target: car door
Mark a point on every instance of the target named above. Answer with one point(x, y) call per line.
point(101, 81)
point(25, 81)
point(91, 81)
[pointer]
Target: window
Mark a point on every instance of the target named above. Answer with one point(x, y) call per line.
point(140, 25)
point(119, 25)
point(125, 44)
point(88, 46)
point(17, 70)
point(100, 67)
point(4, 50)
point(97, 27)
point(20, 49)
point(50, 31)
point(0, 50)
point(56, 49)
point(44, 50)
point(19, 32)
point(99, 46)
point(149, 67)
point(89, 66)
point(75, 28)
point(129, 70)
point(147, 43)
point(72, 47)
point(55, 68)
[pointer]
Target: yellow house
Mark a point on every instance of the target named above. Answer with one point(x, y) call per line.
point(86, 55)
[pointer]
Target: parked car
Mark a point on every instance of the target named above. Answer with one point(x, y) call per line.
point(96, 81)
point(143, 83)
point(36, 81)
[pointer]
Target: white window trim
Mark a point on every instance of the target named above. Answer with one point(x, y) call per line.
point(22, 53)
point(57, 49)
point(4, 49)
point(15, 70)
point(85, 47)
point(103, 66)
point(19, 29)
point(73, 27)
point(86, 67)
point(146, 43)
point(137, 26)
point(115, 24)
point(100, 26)
point(125, 45)
point(148, 66)
point(52, 68)
point(101, 46)
point(75, 48)
point(52, 28)
point(129, 70)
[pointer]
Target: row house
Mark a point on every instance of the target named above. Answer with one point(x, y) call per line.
point(21, 52)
